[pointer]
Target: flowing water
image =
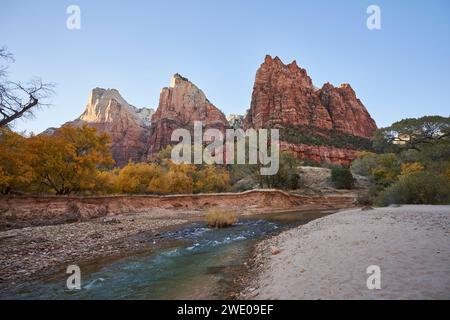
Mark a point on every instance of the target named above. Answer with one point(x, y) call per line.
point(197, 262)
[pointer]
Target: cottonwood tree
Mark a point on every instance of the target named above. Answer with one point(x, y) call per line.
point(18, 99)
point(413, 133)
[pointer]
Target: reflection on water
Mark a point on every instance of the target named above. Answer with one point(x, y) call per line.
point(200, 264)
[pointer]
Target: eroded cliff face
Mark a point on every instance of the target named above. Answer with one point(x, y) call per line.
point(179, 106)
point(320, 154)
point(128, 126)
point(285, 95)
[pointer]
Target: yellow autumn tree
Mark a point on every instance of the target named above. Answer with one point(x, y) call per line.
point(180, 178)
point(137, 177)
point(212, 179)
point(106, 182)
point(410, 168)
point(68, 161)
point(15, 171)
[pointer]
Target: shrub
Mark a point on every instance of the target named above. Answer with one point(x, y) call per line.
point(287, 177)
point(410, 168)
point(342, 178)
point(417, 188)
point(219, 218)
point(211, 179)
point(137, 177)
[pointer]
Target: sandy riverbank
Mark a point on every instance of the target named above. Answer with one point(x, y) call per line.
point(327, 258)
point(33, 252)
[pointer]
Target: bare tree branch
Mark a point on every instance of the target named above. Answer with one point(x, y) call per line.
point(16, 99)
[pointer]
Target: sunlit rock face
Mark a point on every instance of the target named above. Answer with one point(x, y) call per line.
point(128, 126)
point(283, 94)
point(179, 106)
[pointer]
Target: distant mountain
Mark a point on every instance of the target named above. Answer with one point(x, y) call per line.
point(128, 126)
point(284, 96)
point(323, 124)
point(179, 106)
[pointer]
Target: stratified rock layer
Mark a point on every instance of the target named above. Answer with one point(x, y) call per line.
point(285, 95)
point(128, 126)
point(320, 154)
point(179, 106)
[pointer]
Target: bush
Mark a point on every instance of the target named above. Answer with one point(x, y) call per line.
point(342, 178)
point(218, 218)
point(417, 188)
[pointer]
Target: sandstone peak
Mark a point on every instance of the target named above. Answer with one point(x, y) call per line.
point(127, 126)
point(284, 73)
point(285, 95)
point(179, 106)
point(178, 79)
point(106, 105)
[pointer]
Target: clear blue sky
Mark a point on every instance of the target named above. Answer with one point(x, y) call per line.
point(402, 70)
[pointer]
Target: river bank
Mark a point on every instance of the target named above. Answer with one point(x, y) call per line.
point(49, 242)
point(185, 261)
point(328, 257)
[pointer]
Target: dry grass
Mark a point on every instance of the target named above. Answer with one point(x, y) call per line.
point(219, 218)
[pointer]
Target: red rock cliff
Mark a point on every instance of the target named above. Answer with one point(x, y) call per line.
point(284, 94)
point(179, 106)
point(128, 126)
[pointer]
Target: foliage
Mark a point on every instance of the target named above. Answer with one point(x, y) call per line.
point(218, 218)
point(413, 133)
point(287, 177)
point(417, 188)
point(212, 179)
point(68, 161)
point(342, 178)
point(15, 171)
point(382, 168)
point(323, 137)
point(139, 178)
point(410, 168)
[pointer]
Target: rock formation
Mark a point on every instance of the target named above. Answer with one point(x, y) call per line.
point(128, 126)
point(285, 95)
point(179, 106)
point(320, 154)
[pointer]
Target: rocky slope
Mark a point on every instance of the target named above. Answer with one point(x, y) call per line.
point(179, 106)
point(128, 126)
point(284, 95)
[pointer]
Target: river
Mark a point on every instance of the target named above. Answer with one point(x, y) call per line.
point(197, 262)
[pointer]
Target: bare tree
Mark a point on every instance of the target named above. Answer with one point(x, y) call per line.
point(17, 99)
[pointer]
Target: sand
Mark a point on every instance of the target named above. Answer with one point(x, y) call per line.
point(328, 258)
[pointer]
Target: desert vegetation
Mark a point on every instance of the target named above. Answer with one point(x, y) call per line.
point(342, 178)
point(412, 163)
point(220, 218)
point(78, 161)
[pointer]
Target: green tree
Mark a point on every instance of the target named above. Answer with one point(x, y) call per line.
point(342, 178)
point(413, 133)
